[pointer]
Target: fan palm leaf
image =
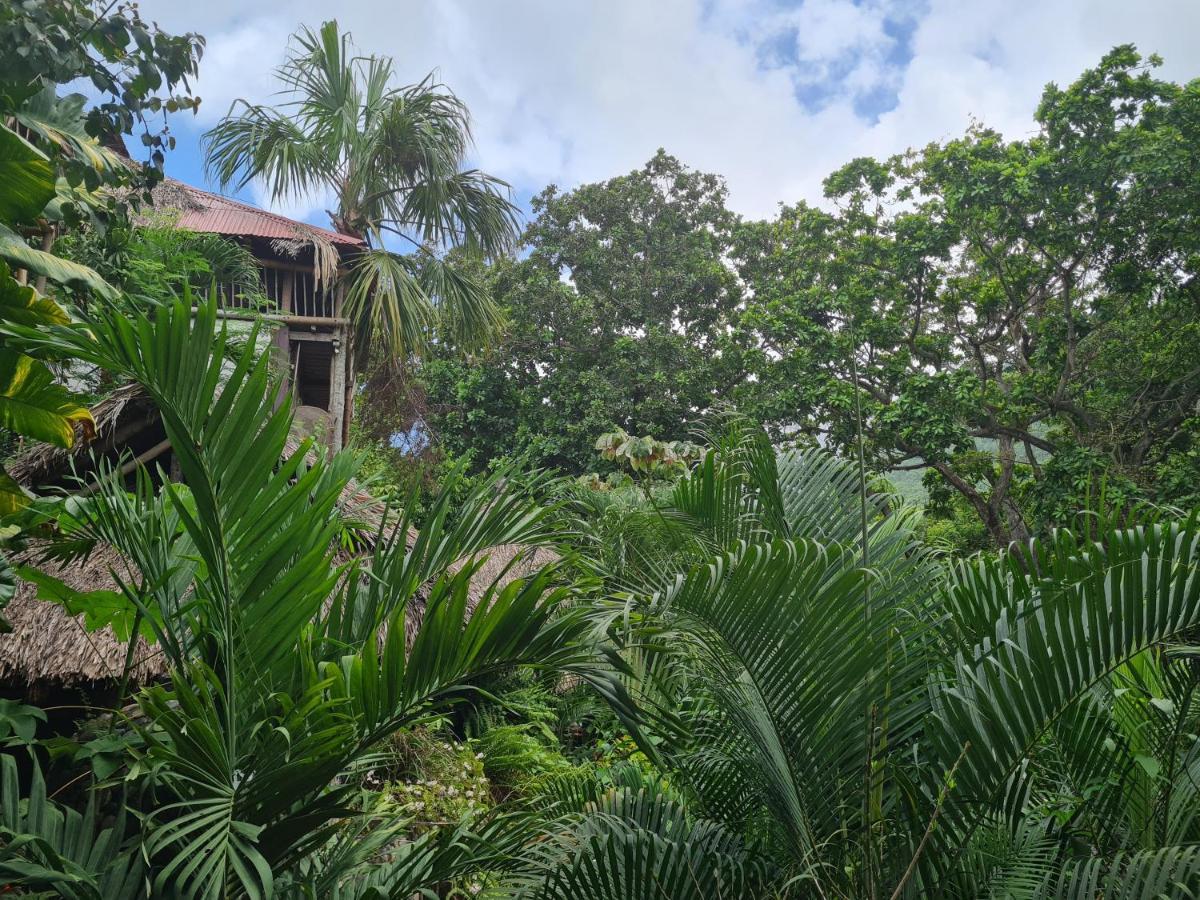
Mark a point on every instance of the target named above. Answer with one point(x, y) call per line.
point(394, 159)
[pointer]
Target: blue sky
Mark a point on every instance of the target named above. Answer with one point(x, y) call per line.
point(772, 95)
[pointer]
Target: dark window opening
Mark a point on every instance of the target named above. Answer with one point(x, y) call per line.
point(312, 363)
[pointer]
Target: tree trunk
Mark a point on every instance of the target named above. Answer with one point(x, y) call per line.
point(47, 245)
point(996, 525)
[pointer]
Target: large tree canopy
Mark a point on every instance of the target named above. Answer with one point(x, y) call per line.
point(995, 301)
point(622, 314)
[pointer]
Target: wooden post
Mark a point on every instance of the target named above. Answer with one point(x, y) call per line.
point(281, 346)
point(347, 334)
point(348, 403)
point(47, 244)
point(281, 339)
point(337, 392)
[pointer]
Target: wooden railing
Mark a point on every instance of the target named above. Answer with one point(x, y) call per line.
point(291, 291)
point(309, 299)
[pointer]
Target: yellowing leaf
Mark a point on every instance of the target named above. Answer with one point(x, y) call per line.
point(12, 495)
point(33, 404)
point(23, 305)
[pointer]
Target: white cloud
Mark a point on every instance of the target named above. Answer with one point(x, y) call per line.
point(572, 92)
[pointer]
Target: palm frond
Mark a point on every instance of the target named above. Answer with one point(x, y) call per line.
point(387, 300)
point(1065, 616)
point(635, 841)
point(260, 143)
point(52, 849)
point(1166, 872)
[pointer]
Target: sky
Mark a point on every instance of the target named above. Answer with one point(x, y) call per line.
point(772, 95)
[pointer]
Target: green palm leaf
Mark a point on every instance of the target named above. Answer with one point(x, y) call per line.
point(55, 850)
point(636, 841)
point(1056, 633)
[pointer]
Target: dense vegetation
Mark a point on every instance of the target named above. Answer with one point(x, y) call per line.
point(739, 665)
point(1016, 318)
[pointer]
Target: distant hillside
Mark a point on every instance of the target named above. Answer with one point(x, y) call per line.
point(909, 483)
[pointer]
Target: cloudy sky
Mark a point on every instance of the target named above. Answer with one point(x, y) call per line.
point(772, 94)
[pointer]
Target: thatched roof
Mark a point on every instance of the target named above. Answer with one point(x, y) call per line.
point(506, 563)
point(123, 411)
point(48, 647)
point(127, 411)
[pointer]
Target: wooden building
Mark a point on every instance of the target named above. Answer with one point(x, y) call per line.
point(299, 264)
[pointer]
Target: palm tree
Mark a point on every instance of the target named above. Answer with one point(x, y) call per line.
point(1015, 727)
point(394, 159)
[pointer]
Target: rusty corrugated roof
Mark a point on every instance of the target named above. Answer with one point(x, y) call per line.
point(208, 212)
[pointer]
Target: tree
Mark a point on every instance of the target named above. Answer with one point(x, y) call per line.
point(621, 316)
point(393, 157)
point(991, 302)
point(138, 69)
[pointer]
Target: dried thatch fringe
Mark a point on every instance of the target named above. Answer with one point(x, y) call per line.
point(48, 647)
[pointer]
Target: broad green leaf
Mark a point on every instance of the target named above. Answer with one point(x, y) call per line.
point(1152, 766)
point(23, 305)
point(12, 498)
point(60, 121)
point(19, 719)
point(1164, 704)
point(19, 254)
point(99, 608)
point(26, 179)
point(33, 404)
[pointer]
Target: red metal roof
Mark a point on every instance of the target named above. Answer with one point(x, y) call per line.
point(222, 215)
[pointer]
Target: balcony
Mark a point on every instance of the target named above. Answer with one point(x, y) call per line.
point(294, 294)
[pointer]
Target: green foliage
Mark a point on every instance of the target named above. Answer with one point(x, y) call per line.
point(56, 850)
point(519, 758)
point(287, 672)
point(619, 317)
point(137, 68)
point(53, 164)
point(1015, 717)
point(634, 840)
point(432, 779)
point(19, 721)
point(32, 403)
point(994, 301)
point(154, 262)
point(28, 176)
point(754, 676)
point(646, 454)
